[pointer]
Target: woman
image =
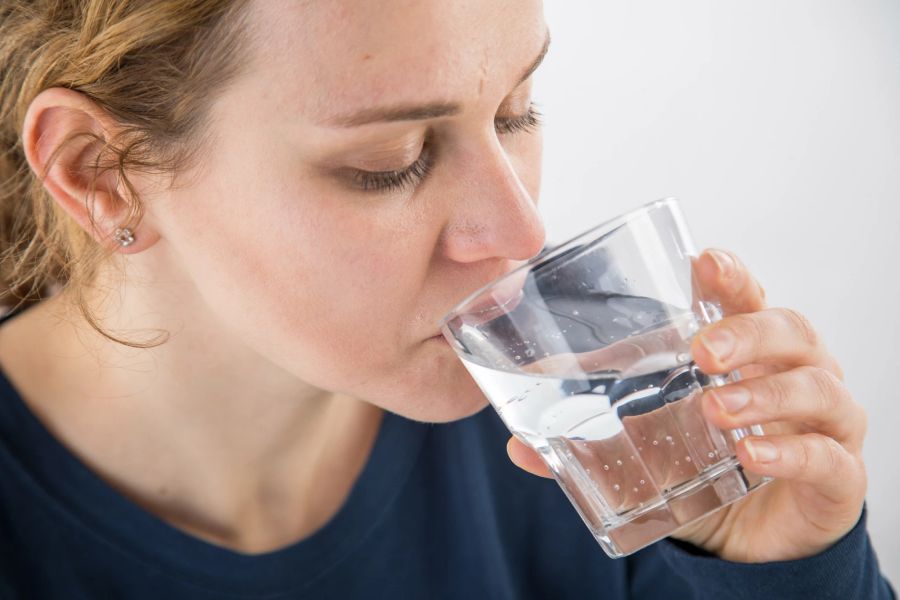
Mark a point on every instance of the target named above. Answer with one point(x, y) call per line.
point(242, 221)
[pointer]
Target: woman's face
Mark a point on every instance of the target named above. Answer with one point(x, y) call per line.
point(331, 271)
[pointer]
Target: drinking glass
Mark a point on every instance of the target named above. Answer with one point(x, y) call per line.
point(584, 351)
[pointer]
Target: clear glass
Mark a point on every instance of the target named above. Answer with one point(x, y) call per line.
point(584, 351)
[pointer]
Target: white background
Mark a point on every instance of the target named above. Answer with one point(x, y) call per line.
point(777, 124)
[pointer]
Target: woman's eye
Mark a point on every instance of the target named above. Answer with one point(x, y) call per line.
point(386, 181)
point(528, 122)
point(411, 176)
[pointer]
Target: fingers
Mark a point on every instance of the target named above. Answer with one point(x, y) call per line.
point(808, 395)
point(722, 275)
point(811, 458)
point(772, 336)
point(525, 458)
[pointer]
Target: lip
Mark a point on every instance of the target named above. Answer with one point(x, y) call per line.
point(438, 338)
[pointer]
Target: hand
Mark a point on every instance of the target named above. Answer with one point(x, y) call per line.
point(813, 428)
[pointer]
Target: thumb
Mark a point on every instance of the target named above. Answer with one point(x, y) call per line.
point(525, 458)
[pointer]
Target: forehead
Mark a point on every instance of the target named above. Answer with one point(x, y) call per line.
point(317, 58)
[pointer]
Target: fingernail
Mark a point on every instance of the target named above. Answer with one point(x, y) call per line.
point(719, 342)
point(760, 451)
point(732, 399)
point(725, 263)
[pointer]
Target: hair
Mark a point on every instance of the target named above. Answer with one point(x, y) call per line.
point(154, 66)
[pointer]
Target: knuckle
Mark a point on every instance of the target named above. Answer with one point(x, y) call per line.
point(777, 393)
point(751, 328)
point(834, 459)
point(762, 290)
point(800, 324)
point(831, 391)
point(857, 425)
point(803, 455)
point(734, 271)
point(835, 367)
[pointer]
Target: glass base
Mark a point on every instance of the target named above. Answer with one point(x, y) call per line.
point(715, 488)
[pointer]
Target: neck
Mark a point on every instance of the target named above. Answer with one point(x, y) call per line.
point(201, 430)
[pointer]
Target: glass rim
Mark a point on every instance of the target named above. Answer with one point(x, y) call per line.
point(554, 252)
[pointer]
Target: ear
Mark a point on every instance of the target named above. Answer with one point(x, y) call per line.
point(54, 115)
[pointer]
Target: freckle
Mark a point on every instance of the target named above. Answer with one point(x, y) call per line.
point(366, 56)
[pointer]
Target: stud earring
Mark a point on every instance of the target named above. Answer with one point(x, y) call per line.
point(124, 236)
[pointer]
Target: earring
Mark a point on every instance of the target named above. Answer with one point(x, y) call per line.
point(124, 236)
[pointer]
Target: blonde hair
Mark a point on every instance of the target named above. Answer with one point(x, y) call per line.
point(154, 66)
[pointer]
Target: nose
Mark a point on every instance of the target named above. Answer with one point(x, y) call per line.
point(492, 214)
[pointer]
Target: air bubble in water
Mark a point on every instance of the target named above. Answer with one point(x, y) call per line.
point(682, 357)
point(711, 454)
point(643, 482)
point(677, 462)
point(606, 467)
point(669, 439)
point(617, 487)
point(518, 357)
point(687, 458)
point(656, 442)
point(529, 352)
point(619, 462)
point(635, 489)
point(575, 312)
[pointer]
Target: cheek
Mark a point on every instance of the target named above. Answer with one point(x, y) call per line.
point(326, 287)
point(320, 288)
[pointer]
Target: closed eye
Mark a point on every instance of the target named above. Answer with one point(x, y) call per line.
point(531, 120)
point(415, 173)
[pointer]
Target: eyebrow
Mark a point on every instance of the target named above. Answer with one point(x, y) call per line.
point(409, 112)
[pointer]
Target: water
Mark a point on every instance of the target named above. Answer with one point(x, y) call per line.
point(612, 403)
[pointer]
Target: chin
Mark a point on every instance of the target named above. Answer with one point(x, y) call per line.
point(442, 404)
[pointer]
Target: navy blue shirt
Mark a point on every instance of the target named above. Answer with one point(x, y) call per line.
point(438, 511)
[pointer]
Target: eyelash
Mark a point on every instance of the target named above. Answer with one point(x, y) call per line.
point(385, 181)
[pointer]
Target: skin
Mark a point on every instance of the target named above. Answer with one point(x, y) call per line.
point(814, 428)
point(300, 307)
